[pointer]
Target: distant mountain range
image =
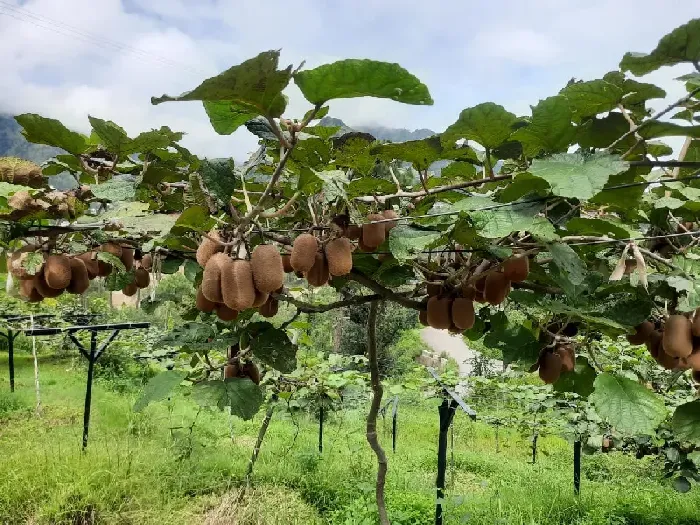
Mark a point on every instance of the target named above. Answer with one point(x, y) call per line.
point(380, 132)
point(13, 144)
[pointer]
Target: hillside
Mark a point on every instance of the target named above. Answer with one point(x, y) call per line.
point(13, 144)
point(380, 132)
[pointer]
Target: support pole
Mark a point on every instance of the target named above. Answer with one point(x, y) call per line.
point(394, 423)
point(11, 357)
point(534, 447)
point(320, 428)
point(577, 467)
point(92, 357)
point(447, 412)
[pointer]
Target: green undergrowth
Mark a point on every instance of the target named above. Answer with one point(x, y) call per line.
point(157, 467)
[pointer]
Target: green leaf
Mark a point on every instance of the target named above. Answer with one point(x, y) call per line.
point(192, 270)
point(41, 130)
point(239, 393)
point(273, 347)
point(392, 273)
point(549, 130)
point(686, 422)
point(601, 132)
point(227, 116)
point(112, 260)
point(599, 227)
point(681, 484)
point(587, 99)
point(219, 178)
point(159, 387)
point(155, 139)
point(668, 202)
point(628, 406)
point(191, 334)
point(488, 124)
point(334, 185)
point(114, 190)
point(369, 186)
point(568, 261)
point(33, 262)
point(658, 129)
point(517, 343)
point(573, 175)
point(255, 85)
point(112, 136)
point(579, 380)
point(680, 45)
point(194, 218)
point(361, 78)
point(420, 153)
point(497, 223)
point(406, 242)
point(118, 280)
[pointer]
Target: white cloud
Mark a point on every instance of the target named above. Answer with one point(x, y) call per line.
point(107, 57)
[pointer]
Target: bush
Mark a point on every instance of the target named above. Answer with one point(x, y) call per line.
point(400, 358)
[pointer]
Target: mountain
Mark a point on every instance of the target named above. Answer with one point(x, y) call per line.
point(379, 132)
point(13, 144)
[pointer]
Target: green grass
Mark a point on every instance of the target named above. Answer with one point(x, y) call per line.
point(148, 468)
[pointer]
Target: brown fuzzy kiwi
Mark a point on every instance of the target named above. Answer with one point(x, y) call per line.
point(211, 278)
point(130, 289)
point(127, 257)
point(270, 308)
point(231, 371)
point(225, 313)
point(364, 248)
point(469, 292)
point(147, 262)
point(696, 376)
point(304, 252)
point(373, 234)
point(693, 360)
point(353, 232)
point(93, 268)
point(641, 333)
point(678, 341)
point(57, 271)
point(268, 272)
point(695, 328)
point(44, 289)
point(439, 315)
point(390, 214)
point(318, 275)
point(568, 357)
point(516, 268)
point(550, 367)
point(237, 286)
point(434, 289)
point(142, 278)
point(454, 330)
point(423, 317)
point(251, 371)
point(208, 247)
point(79, 280)
point(287, 263)
point(29, 291)
point(111, 247)
point(653, 343)
point(204, 304)
point(667, 361)
point(480, 284)
point(339, 256)
point(496, 288)
point(260, 298)
point(463, 313)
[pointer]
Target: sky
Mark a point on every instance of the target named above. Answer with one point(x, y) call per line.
point(66, 59)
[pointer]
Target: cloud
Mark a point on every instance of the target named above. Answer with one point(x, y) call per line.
point(71, 58)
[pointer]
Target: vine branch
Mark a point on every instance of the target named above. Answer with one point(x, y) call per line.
point(313, 308)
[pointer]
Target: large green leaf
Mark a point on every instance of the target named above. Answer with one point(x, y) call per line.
point(227, 116)
point(587, 99)
point(579, 380)
point(273, 347)
point(658, 129)
point(256, 85)
point(420, 153)
point(517, 343)
point(568, 261)
point(361, 78)
point(159, 387)
point(680, 45)
point(42, 130)
point(686, 422)
point(192, 335)
point(600, 227)
point(406, 242)
point(114, 190)
point(549, 130)
point(239, 393)
point(499, 222)
point(627, 405)
point(219, 178)
point(112, 136)
point(576, 176)
point(488, 124)
point(194, 218)
point(154, 139)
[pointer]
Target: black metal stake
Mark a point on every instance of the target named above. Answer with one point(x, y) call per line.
point(577, 467)
point(11, 357)
point(394, 423)
point(320, 429)
point(534, 447)
point(447, 412)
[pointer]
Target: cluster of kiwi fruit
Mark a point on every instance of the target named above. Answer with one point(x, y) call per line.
point(241, 367)
point(555, 360)
point(675, 344)
point(372, 234)
point(231, 285)
point(65, 273)
point(453, 309)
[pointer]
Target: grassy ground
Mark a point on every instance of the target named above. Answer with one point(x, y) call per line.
point(156, 468)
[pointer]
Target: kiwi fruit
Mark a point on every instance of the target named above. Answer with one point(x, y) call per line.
point(260, 298)
point(204, 304)
point(653, 343)
point(678, 341)
point(79, 280)
point(29, 291)
point(225, 313)
point(266, 264)
point(469, 292)
point(516, 268)
point(353, 232)
point(439, 314)
point(318, 274)
point(696, 376)
point(667, 361)
point(44, 289)
point(111, 247)
point(693, 360)
point(208, 247)
point(230, 371)
point(463, 313)
point(496, 288)
point(142, 278)
point(373, 234)
point(454, 330)
point(130, 289)
point(363, 247)
point(695, 327)
point(434, 289)
point(127, 257)
point(237, 288)
point(57, 271)
point(550, 367)
point(304, 252)
point(287, 263)
point(480, 285)
point(568, 357)
point(91, 265)
point(390, 214)
point(270, 308)
point(211, 278)
point(641, 333)
point(251, 371)
point(103, 268)
point(339, 256)
point(423, 317)
point(147, 262)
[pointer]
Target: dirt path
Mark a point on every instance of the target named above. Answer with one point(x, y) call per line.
point(454, 346)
